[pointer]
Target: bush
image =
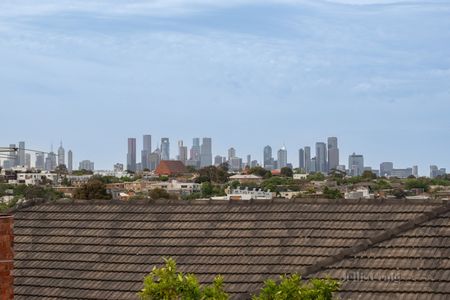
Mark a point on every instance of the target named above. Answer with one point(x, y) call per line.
point(159, 193)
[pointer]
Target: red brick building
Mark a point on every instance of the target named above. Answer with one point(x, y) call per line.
point(170, 168)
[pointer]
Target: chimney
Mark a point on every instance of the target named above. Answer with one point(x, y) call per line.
point(6, 257)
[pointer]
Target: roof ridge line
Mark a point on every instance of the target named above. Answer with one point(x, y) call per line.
point(376, 239)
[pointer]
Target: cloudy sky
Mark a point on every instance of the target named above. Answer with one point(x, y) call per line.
point(91, 73)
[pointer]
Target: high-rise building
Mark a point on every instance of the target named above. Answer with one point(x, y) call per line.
point(218, 160)
point(312, 167)
point(333, 153)
point(21, 154)
point(40, 161)
point(268, 159)
point(249, 160)
point(69, 161)
point(182, 152)
point(321, 157)
point(61, 155)
point(206, 152)
point(235, 164)
point(308, 162)
point(356, 164)
point(146, 150)
point(131, 155)
point(154, 159)
point(282, 158)
point(14, 157)
point(50, 161)
point(195, 150)
point(28, 160)
point(435, 171)
point(86, 165)
point(301, 159)
point(415, 171)
point(165, 149)
point(386, 168)
point(231, 153)
point(118, 167)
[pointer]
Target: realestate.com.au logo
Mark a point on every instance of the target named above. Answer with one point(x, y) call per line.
point(361, 276)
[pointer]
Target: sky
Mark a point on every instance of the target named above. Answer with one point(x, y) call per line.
point(92, 73)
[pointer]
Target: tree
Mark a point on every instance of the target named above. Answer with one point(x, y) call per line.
point(368, 175)
point(419, 183)
point(316, 177)
point(293, 288)
point(213, 174)
point(159, 193)
point(286, 172)
point(260, 171)
point(332, 193)
point(167, 284)
point(95, 188)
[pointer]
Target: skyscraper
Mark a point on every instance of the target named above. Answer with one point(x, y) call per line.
point(282, 158)
point(61, 155)
point(69, 161)
point(321, 157)
point(415, 171)
point(268, 159)
point(28, 160)
point(14, 158)
point(146, 150)
point(165, 149)
point(231, 153)
point(308, 162)
point(386, 168)
point(182, 152)
point(301, 159)
point(154, 159)
point(249, 160)
point(356, 164)
point(131, 155)
point(50, 161)
point(333, 153)
point(40, 161)
point(195, 150)
point(21, 154)
point(206, 152)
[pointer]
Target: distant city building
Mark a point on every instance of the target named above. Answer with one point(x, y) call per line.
point(146, 150)
point(86, 165)
point(386, 168)
point(435, 171)
point(182, 152)
point(312, 167)
point(218, 160)
point(333, 153)
point(13, 161)
point(131, 155)
point(301, 159)
point(231, 153)
point(50, 161)
point(154, 159)
point(28, 160)
point(268, 158)
point(206, 152)
point(61, 155)
point(165, 149)
point(118, 167)
point(253, 164)
point(321, 157)
point(308, 162)
point(235, 164)
point(195, 150)
point(282, 158)
point(40, 161)
point(356, 164)
point(249, 160)
point(21, 154)
point(402, 173)
point(70, 161)
point(415, 171)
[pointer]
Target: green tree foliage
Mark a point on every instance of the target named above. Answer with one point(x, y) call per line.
point(368, 175)
point(286, 172)
point(260, 171)
point(213, 174)
point(293, 288)
point(159, 193)
point(208, 189)
point(95, 188)
point(419, 183)
point(382, 184)
point(167, 284)
point(82, 172)
point(332, 193)
point(316, 177)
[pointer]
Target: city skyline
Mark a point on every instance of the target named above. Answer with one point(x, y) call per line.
point(247, 74)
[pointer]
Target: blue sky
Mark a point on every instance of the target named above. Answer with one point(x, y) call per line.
point(246, 73)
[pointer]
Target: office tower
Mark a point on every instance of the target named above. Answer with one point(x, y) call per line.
point(206, 153)
point(182, 152)
point(231, 153)
point(386, 168)
point(69, 161)
point(249, 160)
point(28, 160)
point(165, 149)
point(333, 153)
point(301, 159)
point(435, 171)
point(268, 159)
point(218, 160)
point(40, 161)
point(254, 164)
point(131, 155)
point(21, 154)
point(13, 156)
point(235, 164)
point(154, 159)
point(146, 150)
point(321, 157)
point(61, 155)
point(415, 171)
point(50, 161)
point(356, 164)
point(308, 162)
point(195, 150)
point(312, 167)
point(282, 158)
point(86, 165)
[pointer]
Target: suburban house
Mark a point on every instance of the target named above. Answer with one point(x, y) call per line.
point(103, 249)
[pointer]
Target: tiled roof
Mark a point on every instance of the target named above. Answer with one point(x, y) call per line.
point(102, 250)
point(170, 167)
